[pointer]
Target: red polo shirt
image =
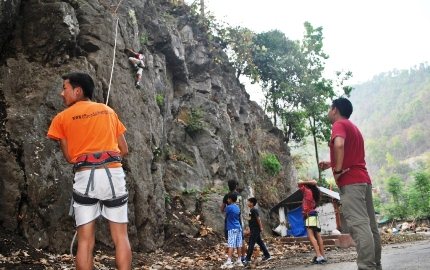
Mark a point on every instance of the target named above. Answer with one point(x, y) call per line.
point(354, 153)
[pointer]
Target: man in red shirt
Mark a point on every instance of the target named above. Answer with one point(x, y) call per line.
point(349, 170)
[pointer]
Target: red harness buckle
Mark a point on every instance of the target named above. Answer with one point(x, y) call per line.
point(97, 159)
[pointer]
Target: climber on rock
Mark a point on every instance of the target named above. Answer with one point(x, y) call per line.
point(136, 59)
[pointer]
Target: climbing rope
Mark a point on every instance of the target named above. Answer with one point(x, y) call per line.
point(71, 244)
point(117, 6)
point(113, 59)
point(114, 50)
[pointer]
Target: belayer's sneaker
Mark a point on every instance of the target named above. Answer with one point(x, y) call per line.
point(319, 260)
point(137, 85)
point(238, 263)
point(227, 265)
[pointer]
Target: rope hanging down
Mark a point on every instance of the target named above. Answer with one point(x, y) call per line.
point(113, 60)
point(114, 50)
point(71, 244)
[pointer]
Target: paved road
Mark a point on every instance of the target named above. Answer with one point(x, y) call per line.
point(408, 256)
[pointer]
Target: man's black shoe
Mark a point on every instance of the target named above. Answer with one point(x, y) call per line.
point(265, 259)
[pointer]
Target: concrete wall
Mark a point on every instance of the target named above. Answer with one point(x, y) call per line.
point(327, 217)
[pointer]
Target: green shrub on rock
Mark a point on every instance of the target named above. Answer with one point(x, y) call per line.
point(271, 164)
point(195, 120)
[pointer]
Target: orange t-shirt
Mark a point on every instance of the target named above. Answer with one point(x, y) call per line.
point(88, 127)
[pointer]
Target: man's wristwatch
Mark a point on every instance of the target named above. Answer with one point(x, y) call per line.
point(337, 172)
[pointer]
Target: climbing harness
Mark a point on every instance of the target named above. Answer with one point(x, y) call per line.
point(94, 161)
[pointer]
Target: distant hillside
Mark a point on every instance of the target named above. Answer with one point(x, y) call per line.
point(393, 112)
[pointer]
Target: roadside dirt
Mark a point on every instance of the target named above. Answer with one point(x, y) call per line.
point(184, 252)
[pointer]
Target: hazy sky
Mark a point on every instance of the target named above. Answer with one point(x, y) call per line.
point(366, 37)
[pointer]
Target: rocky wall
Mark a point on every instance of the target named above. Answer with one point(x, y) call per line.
point(188, 78)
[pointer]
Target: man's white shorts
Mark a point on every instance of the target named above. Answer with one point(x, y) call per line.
point(139, 64)
point(102, 191)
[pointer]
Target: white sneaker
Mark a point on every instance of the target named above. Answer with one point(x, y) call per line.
point(227, 265)
point(238, 263)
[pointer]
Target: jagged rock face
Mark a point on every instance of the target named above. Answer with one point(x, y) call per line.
point(8, 11)
point(167, 159)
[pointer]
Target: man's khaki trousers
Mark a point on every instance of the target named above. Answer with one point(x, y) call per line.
point(357, 209)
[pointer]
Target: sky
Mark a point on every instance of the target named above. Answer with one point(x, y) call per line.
point(366, 37)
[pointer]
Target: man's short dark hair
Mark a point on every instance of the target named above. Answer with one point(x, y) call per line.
point(83, 80)
point(344, 107)
point(232, 196)
point(232, 184)
point(253, 201)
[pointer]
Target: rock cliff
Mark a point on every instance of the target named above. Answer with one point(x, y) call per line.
point(191, 127)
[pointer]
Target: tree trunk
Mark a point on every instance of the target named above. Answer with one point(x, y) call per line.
point(239, 72)
point(202, 8)
point(275, 110)
point(312, 124)
point(288, 134)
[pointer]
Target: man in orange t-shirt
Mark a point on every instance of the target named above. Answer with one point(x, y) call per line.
point(91, 134)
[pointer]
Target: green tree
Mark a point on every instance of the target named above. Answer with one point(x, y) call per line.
point(276, 59)
point(394, 187)
point(421, 196)
point(377, 203)
point(315, 90)
point(294, 125)
point(398, 208)
point(391, 160)
point(291, 74)
point(240, 47)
